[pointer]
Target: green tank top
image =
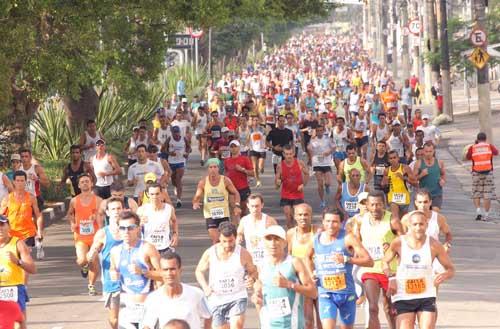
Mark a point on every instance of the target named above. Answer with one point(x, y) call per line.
point(357, 164)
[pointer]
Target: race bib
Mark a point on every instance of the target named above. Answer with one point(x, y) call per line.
point(135, 312)
point(215, 134)
point(217, 213)
point(278, 307)
point(225, 286)
point(225, 154)
point(8, 293)
point(350, 206)
point(376, 252)
point(399, 198)
point(415, 286)
point(86, 227)
point(30, 186)
point(334, 282)
point(158, 238)
point(379, 170)
point(257, 255)
point(321, 158)
point(275, 159)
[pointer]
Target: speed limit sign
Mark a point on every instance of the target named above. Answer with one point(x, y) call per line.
point(415, 26)
point(478, 37)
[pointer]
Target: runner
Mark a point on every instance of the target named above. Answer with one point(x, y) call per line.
point(431, 175)
point(348, 192)
point(321, 149)
point(105, 167)
point(139, 169)
point(380, 162)
point(6, 186)
point(199, 124)
point(414, 287)
point(406, 95)
point(294, 128)
point(104, 240)
point(84, 221)
point(117, 191)
point(306, 127)
point(238, 168)
point(431, 132)
point(397, 140)
point(299, 238)
point(159, 222)
point(257, 148)
point(88, 140)
point(342, 137)
point(277, 138)
point(132, 263)
point(380, 131)
point(483, 185)
point(161, 134)
point(74, 169)
point(219, 195)
point(15, 165)
point(243, 133)
point(376, 231)
point(396, 177)
point(291, 175)
point(353, 161)
point(282, 282)
point(35, 176)
point(139, 137)
point(331, 257)
point(269, 113)
point(231, 270)
point(153, 156)
point(178, 149)
point(213, 130)
point(360, 124)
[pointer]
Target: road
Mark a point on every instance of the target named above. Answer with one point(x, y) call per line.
point(471, 300)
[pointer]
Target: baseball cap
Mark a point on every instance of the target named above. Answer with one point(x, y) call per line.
point(224, 129)
point(4, 219)
point(328, 101)
point(425, 116)
point(184, 100)
point(275, 230)
point(176, 129)
point(15, 157)
point(396, 123)
point(135, 128)
point(234, 142)
point(100, 141)
point(150, 177)
point(362, 196)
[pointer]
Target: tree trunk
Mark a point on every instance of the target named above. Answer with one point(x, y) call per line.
point(385, 32)
point(416, 43)
point(393, 29)
point(428, 12)
point(82, 109)
point(405, 55)
point(445, 60)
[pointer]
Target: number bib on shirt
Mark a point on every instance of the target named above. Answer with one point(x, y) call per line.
point(275, 159)
point(334, 282)
point(321, 158)
point(278, 307)
point(415, 286)
point(399, 198)
point(158, 238)
point(217, 213)
point(350, 206)
point(225, 154)
point(225, 286)
point(86, 227)
point(135, 312)
point(215, 134)
point(376, 252)
point(379, 170)
point(9, 293)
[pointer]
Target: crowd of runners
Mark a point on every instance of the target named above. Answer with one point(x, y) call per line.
point(321, 110)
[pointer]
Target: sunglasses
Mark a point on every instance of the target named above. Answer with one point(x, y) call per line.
point(127, 228)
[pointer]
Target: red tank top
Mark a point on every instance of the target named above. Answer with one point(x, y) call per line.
point(291, 178)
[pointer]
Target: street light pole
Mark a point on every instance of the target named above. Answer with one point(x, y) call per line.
point(445, 61)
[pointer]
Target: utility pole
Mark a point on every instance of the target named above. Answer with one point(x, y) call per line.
point(483, 83)
point(405, 55)
point(384, 30)
point(394, 40)
point(428, 12)
point(415, 14)
point(445, 61)
point(209, 52)
point(374, 23)
point(378, 39)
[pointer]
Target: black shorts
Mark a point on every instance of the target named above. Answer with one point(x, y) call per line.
point(322, 169)
point(437, 201)
point(415, 305)
point(40, 202)
point(214, 223)
point(258, 155)
point(361, 141)
point(103, 191)
point(244, 194)
point(290, 202)
point(30, 242)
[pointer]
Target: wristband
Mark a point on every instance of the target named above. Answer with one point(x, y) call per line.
point(392, 278)
point(347, 258)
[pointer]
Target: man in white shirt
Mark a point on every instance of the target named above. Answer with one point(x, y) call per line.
point(431, 132)
point(143, 166)
point(175, 300)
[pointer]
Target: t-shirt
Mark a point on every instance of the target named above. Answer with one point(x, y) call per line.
point(306, 124)
point(190, 306)
point(280, 137)
point(238, 178)
point(10, 313)
point(138, 171)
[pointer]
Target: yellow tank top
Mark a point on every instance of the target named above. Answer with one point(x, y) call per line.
point(398, 192)
point(216, 200)
point(374, 237)
point(10, 274)
point(357, 164)
point(20, 216)
point(299, 249)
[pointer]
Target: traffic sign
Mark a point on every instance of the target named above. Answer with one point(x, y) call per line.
point(415, 26)
point(182, 41)
point(479, 57)
point(478, 37)
point(196, 34)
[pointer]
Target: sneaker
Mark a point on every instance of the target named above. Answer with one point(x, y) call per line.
point(258, 183)
point(178, 204)
point(479, 217)
point(202, 163)
point(92, 291)
point(84, 271)
point(322, 204)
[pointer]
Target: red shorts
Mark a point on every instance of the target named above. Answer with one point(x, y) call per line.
point(382, 279)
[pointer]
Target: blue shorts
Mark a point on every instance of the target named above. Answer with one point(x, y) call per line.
point(175, 166)
point(222, 314)
point(345, 304)
point(340, 155)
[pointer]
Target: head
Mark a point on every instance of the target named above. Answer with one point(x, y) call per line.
point(423, 200)
point(91, 126)
point(275, 241)
point(354, 176)
point(176, 132)
point(100, 146)
point(114, 207)
point(214, 115)
point(309, 115)
point(25, 157)
point(429, 150)
point(141, 152)
point(255, 121)
point(154, 193)
point(302, 214)
point(234, 147)
point(75, 152)
point(130, 228)
point(481, 137)
point(152, 152)
point(418, 114)
point(15, 162)
point(85, 183)
point(170, 265)
point(396, 128)
point(213, 167)
point(320, 131)
point(19, 180)
point(176, 324)
point(351, 152)
point(281, 122)
point(393, 158)
point(288, 153)
point(289, 119)
point(419, 153)
point(425, 120)
point(417, 225)
point(362, 199)
point(227, 236)
point(332, 221)
point(340, 122)
point(375, 204)
point(117, 190)
point(255, 203)
point(381, 147)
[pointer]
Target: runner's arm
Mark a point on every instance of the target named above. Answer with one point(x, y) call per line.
point(305, 172)
point(233, 191)
point(96, 245)
point(83, 140)
point(87, 168)
point(368, 172)
point(309, 260)
point(306, 285)
point(25, 260)
point(389, 255)
point(98, 218)
point(240, 234)
point(152, 258)
point(42, 177)
point(174, 229)
point(444, 228)
point(385, 179)
point(198, 194)
point(248, 264)
point(70, 215)
point(201, 269)
point(443, 172)
point(64, 178)
point(4, 205)
point(440, 253)
point(361, 256)
point(396, 225)
point(38, 217)
point(132, 205)
point(117, 170)
point(410, 177)
point(340, 173)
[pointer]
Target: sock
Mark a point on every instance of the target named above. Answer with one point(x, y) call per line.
point(478, 211)
point(486, 213)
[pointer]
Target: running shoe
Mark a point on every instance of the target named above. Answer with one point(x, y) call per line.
point(92, 291)
point(178, 204)
point(258, 183)
point(84, 271)
point(202, 163)
point(479, 217)
point(322, 204)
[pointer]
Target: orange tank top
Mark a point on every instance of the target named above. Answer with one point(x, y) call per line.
point(85, 219)
point(20, 214)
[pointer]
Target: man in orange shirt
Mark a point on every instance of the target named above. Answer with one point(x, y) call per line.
point(85, 222)
point(389, 98)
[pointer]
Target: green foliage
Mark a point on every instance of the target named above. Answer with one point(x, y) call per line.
point(195, 81)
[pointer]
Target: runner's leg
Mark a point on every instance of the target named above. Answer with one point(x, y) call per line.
point(372, 292)
point(406, 321)
point(426, 320)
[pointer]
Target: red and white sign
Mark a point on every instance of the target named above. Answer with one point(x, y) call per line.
point(406, 31)
point(196, 34)
point(478, 37)
point(415, 27)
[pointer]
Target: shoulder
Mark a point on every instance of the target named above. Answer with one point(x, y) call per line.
point(194, 292)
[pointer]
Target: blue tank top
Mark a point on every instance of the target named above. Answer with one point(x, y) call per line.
point(333, 277)
point(108, 285)
point(133, 283)
point(349, 202)
point(282, 307)
point(431, 181)
point(376, 108)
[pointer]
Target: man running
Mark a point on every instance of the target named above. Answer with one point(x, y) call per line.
point(35, 176)
point(159, 221)
point(342, 137)
point(431, 132)
point(105, 167)
point(396, 176)
point(175, 302)
point(353, 161)
point(331, 257)
point(84, 221)
point(414, 287)
point(283, 280)
point(15, 262)
point(230, 270)
point(291, 175)
point(238, 168)
point(277, 138)
point(321, 149)
point(347, 194)
point(431, 175)
point(139, 169)
point(199, 124)
point(216, 190)
point(88, 140)
point(257, 152)
point(74, 169)
point(104, 240)
point(379, 163)
point(178, 149)
point(398, 141)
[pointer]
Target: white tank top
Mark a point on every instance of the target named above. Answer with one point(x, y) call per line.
point(201, 125)
point(89, 140)
point(414, 275)
point(3, 189)
point(179, 147)
point(254, 237)
point(102, 165)
point(381, 132)
point(30, 183)
point(397, 145)
point(320, 146)
point(433, 232)
point(257, 140)
point(226, 278)
point(157, 227)
point(340, 139)
point(361, 125)
point(270, 115)
point(163, 134)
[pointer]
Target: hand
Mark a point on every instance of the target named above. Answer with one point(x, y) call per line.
point(398, 175)
point(208, 291)
point(249, 281)
point(33, 177)
point(300, 188)
point(441, 182)
point(174, 241)
point(257, 299)
point(424, 172)
point(237, 211)
point(11, 257)
point(239, 168)
point(440, 278)
point(196, 205)
point(385, 246)
point(90, 255)
point(393, 287)
point(280, 281)
point(101, 174)
point(114, 275)
point(278, 183)
point(134, 269)
point(338, 258)
point(173, 154)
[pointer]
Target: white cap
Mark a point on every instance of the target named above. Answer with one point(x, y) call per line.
point(275, 230)
point(224, 129)
point(425, 116)
point(234, 142)
point(396, 122)
point(184, 100)
point(362, 196)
